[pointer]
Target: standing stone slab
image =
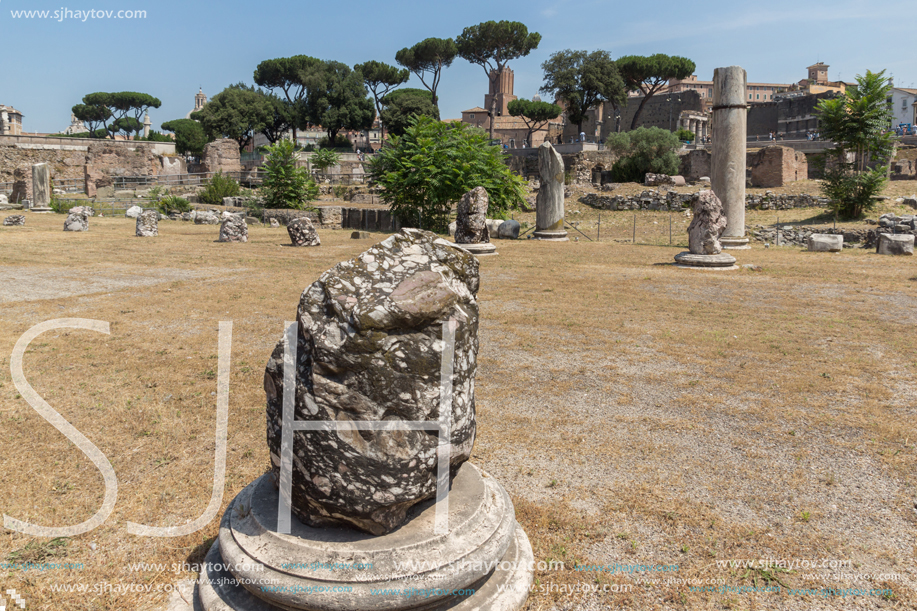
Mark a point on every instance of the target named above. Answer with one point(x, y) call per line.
point(77, 221)
point(302, 232)
point(233, 229)
point(370, 348)
point(133, 212)
point(148, 224)
point(274, 223)
point(729, 144)
point(825, 242)
point(471, 221)
point(16, 220)
point(549, 204)
point(895, 244)
point(41, 186)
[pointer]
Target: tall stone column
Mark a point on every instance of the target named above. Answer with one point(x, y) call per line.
point(728, 164)
point(697, 130)
point(41, 186)
point(549, 203)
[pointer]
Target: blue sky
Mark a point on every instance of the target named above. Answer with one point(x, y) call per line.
point(183, 45)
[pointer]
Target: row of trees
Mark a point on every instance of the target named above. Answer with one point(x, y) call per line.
point(110, 113)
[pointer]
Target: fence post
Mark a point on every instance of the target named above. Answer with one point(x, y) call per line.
point(598, 237)
point(634, 239)
point(670, 226)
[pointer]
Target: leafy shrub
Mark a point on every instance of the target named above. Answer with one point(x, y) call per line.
point(641, 151)
point(285, 185)
point(431, 166)
point(685, 135)
point(340, 142)
point(220, 186)
point(172, 203)
point(324, 159)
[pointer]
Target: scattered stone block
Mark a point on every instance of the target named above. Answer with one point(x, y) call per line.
point(148, 224)
point(823, 242)
point(41, 185)
point(302, 232)
point(549, 204)
point(133, 212)
point(359, 235)
point(509, 230)
point(493, 227)
point(83, 210)
point(659, 180)
point(76, 221)
point(274, 223)
point(205, 217)
point(471, 222)
point(707, 225)
point(15, 220)
point(233, 229)
point(890, 244)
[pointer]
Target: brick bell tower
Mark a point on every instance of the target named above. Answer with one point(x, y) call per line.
point(502, 88)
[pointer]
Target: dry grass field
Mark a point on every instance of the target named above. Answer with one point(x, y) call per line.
point(637, 413)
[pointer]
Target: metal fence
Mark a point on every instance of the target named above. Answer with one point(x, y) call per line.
point(6, 188)
point(113, 207)
point(245, 178)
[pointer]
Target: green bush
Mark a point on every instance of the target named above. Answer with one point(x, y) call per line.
point(285, 185)
point(340, 142)
point(172, 203)
point(220, 186)
point(324, 159)
point(425, 171)
point(641, 151)
point(685, 135)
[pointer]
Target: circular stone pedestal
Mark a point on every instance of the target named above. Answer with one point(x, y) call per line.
point(550, 235)
point(734, 243)
point(720, 262)
point(484, 248)
point(485, 554)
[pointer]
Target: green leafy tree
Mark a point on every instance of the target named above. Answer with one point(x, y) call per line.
point(381, 78)
point(400, 106)
point(284, 118)
point(285, 185)
point(582, 80)
point(535, 114)
point(643, 150)
point(431, 166)
point(104, 110)
point(685, 135)
point(220, 186)
point(491, 45)
point(190, 137)
point(95, 116)
point(126, 125)
point(237, 112)
point(857, 123)
point(339, 100)
point(427, 59)
point(649, 74)
point(324, 159)
point(156, 136)
point(294, 76)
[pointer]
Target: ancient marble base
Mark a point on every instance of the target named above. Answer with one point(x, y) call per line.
point(41, 210)
point(485, 248)
point(252, 567)
point(734, 243)
point(720, 262)
point(550, 235)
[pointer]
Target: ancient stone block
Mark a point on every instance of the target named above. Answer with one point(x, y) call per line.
point(890, 244)
point(777, 166)
point(370, 348)
point(274, 223)
point(233, 229)
point(823, 242)
point(148, 224)
point(14, 220)
point(471, 222)
point(359, 235)
point(133, 212)
point(76, 221)
point(707, 225)
point(221, 156)
point(658, 180)
point(549, 204)
point(302, 232)
point(41, 185)
point(509, 230)
point(205, 217)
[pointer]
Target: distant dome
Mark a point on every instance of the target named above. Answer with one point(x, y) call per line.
point(536, 98)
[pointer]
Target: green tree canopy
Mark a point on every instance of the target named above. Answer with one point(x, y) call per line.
point(649, 74)
point(381, 78)
point(431, 166)
point(295, 77)
point(285, 184)
point(101, 109)
point(582, 80)
point(283, 118)
point(95, 116)
point(190, 138)
point(491, 45)
point(427, 59)
point(857, 123)
point(643, 150)
point(237, 112)
point(339, 100)
point(401, 105)
point(126, 125)
point(535, 114)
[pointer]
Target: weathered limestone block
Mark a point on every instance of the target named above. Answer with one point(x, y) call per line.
point(359, 235)
point(133, 212)
point(148, 224)
point(823, 242)
point(87, 210)
point(22, 185)
point(204, 217)
point(509, 230)
point(41, 185)
point(549, 203)
point(370, 348)
point(221, 156)
point(658, 180)
point(302, 232)
point(452, 227)
point(14, 220)
point(76, 221)
point(471, 222)
point(274, 223)
point(493, 227)
point(707, 225)
point(233, 229)
point(891, 244)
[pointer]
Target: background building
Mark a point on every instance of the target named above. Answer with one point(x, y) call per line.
point(10, 121)
point(902, 105)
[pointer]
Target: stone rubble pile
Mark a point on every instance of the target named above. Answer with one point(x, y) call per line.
point(799, 236)
point(14, 220)
point(656, 200)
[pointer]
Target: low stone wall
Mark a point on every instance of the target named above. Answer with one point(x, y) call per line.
point(799, 236)
point(369, 219)
point(328, 217)
point(670, 200)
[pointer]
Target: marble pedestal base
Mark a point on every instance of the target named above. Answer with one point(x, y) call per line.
point(485, 556)
point(484, 248)
point(550, 235)
point(721, 261)
point(734, 243)
point(41, 210)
